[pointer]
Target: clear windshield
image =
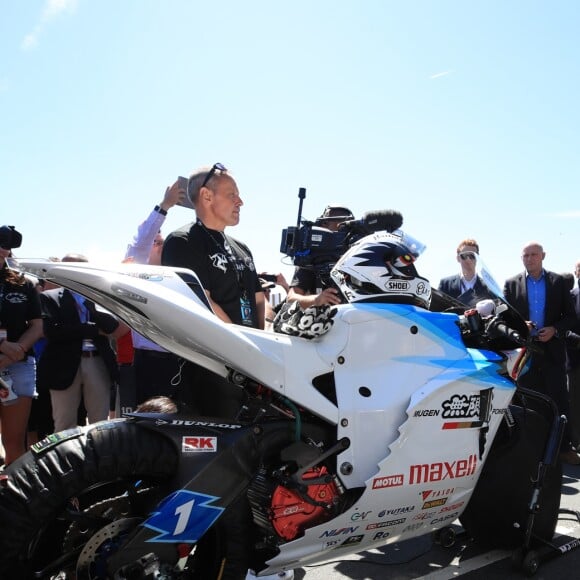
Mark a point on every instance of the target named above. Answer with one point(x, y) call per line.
point(471, 283)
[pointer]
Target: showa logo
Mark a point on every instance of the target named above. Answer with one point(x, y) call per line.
point(198, 444)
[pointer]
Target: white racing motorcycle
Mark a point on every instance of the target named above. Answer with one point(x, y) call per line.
point(397, 415)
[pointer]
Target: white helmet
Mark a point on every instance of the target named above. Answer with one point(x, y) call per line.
point(380, 268)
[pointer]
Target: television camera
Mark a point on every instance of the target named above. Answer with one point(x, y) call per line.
point(317, 248)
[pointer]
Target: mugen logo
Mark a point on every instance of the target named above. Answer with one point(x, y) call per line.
point(199, 444)
point(429, 472)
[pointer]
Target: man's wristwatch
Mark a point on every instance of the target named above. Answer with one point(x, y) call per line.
point(160, 210)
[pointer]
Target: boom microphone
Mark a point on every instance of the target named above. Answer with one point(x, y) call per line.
point(375, 221)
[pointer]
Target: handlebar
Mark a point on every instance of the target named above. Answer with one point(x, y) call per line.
point(496, 328)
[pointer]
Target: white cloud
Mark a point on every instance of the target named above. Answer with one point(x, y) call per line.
point(52, 8)
point(573, 213)
point(441, 74)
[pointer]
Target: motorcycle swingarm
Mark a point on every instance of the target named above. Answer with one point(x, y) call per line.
point(216, 465)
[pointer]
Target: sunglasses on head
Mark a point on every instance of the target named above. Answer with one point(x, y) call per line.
point(467, 256)
point(211, 173)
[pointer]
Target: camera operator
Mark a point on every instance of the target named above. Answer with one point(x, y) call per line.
point(309, 285)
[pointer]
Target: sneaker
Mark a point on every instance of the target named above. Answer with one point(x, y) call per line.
point(570, 457)
point(286, 575)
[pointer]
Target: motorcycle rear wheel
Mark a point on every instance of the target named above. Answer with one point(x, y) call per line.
point(64, 509)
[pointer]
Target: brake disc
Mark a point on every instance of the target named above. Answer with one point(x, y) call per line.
point(91, 564)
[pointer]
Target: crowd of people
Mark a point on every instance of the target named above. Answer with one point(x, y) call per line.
point(64, 361)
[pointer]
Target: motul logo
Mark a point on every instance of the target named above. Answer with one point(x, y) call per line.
point(388, 481)
point(199, 444)
point(426, 472)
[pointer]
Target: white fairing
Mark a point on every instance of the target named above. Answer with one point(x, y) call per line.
point(420, 409)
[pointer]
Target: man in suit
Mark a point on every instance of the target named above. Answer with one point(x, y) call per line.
point(573, 357)
point(543, 299)
point(77, 361)
point(467, 287)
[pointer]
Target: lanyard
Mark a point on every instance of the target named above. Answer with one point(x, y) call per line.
point(229, 254)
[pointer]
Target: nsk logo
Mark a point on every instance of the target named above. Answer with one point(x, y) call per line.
point(423, 473)
point(199, 444)
point(388, 481)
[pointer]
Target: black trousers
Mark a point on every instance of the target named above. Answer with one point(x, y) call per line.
point(127, 394)
point(550, 379)
point(209, 394)
point(155, 374)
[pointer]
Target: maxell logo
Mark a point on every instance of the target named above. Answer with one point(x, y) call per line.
point(199, 444)
point(424, 473)
point(388, 481)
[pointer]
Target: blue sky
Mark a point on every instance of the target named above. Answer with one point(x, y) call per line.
point(461, 115)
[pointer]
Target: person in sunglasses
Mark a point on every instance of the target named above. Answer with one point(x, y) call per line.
point(466, 286)
point(225, 268)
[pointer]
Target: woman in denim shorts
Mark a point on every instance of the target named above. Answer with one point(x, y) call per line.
point(20, 328)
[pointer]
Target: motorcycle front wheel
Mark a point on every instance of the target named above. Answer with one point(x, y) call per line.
point(67, 508)
point(498, 513)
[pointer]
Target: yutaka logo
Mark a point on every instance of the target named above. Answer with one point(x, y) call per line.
point(429, 472)
point(199, 444)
